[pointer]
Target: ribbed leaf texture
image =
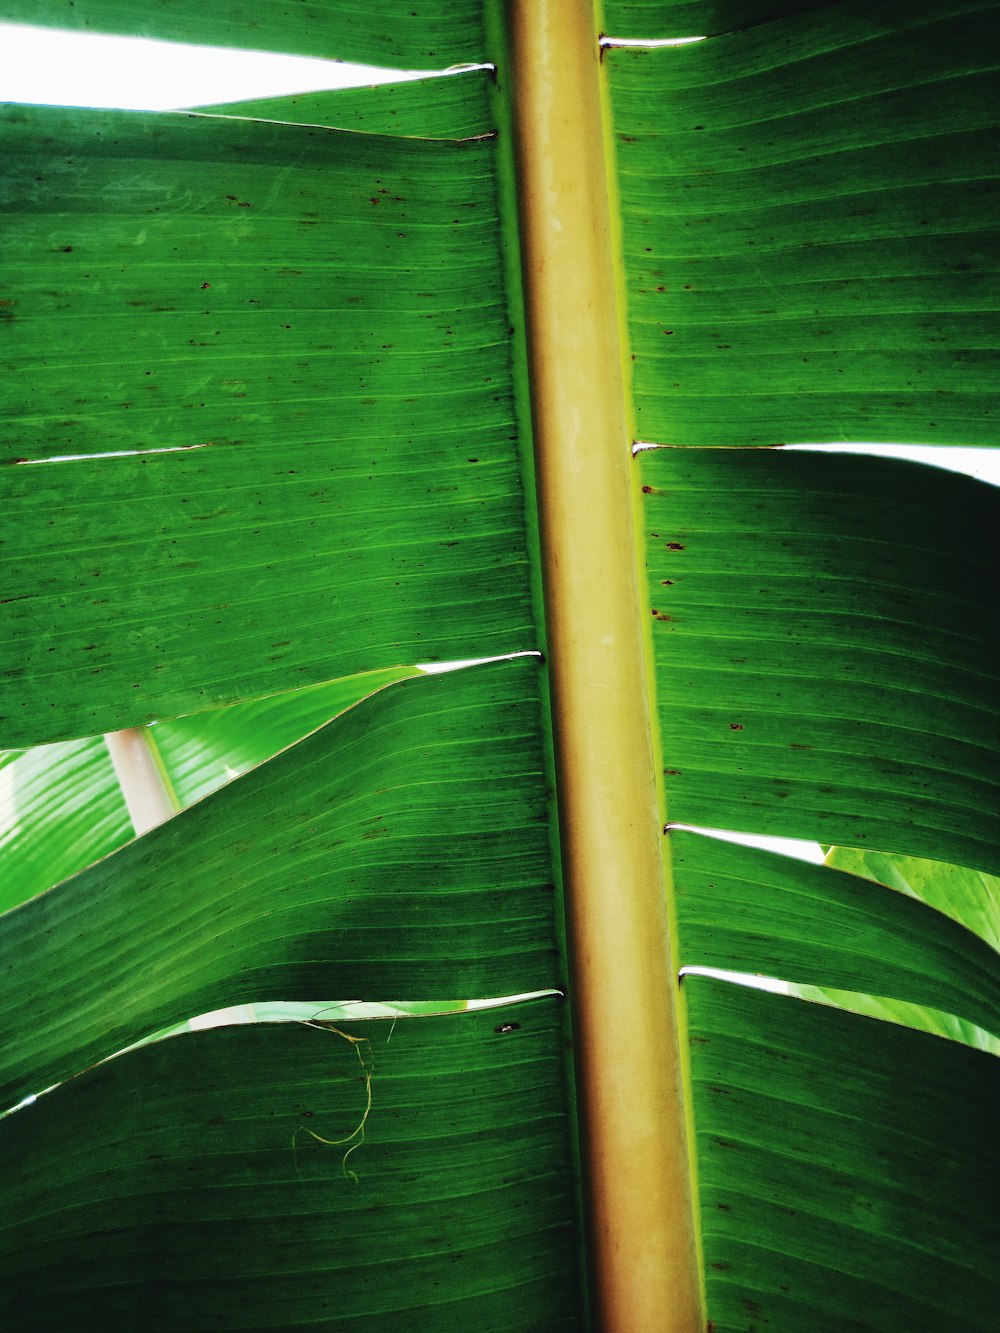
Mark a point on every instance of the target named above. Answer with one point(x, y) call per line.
point(824, 644)
point(809, 212)
point(316, 323)
point(401, 852)
point(848, 1169)
point(753, 911)
point(180, 1188)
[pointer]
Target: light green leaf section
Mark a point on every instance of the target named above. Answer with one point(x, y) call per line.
point(848, 1169)
point(923, 1017)
point(809, 212)
point(61, 807)
point(180, 1188)
point(753, 911)
point(401, 852)
point(323, 315)
point(824, 638)
point(970, 896)
point(407, 34)
point(453, 108)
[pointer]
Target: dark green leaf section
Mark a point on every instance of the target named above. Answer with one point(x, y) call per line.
point(402, 852)
point(178, 1188)
point(282, 285)
point(825, 649)
point(699, 18)
point(453, 108)
point(62, 806)
point(409, 34)
point(755, 911)
point(970, 896)
point(61, 809)
point(810, 234)
point(316, 323)
point(848, 1169)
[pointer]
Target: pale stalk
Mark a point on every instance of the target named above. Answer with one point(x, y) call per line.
point(636, 1161)
point(148, 794)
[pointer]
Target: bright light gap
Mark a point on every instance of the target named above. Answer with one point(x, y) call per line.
point(114, 453)
point(47, 66)
point(646, 43)
point(799, 849)
point(439, 668)
point(750, 979)
point(981, 463)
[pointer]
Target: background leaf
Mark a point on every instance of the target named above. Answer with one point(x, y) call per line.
point(62, 807)
point(970, 896)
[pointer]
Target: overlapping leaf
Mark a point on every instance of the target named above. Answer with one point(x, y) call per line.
point(180, 1187)
point(754, 911)
point(824, 644)
point(970, 896)
point(810, 243)
point(411, 34)
point(61, 809)
point(452, 108)
point(848, 1169)
point(402, 852)
point(323, 315)
point(62, 806)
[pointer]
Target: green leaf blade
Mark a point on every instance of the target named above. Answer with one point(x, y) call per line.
point(843, 1182)
point(824, 656)
point(807, 229)
point(752, 911)
point(180, 1185)
point(400, 853)
point(457, 107)
point(314, 325)
point(401, 33)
